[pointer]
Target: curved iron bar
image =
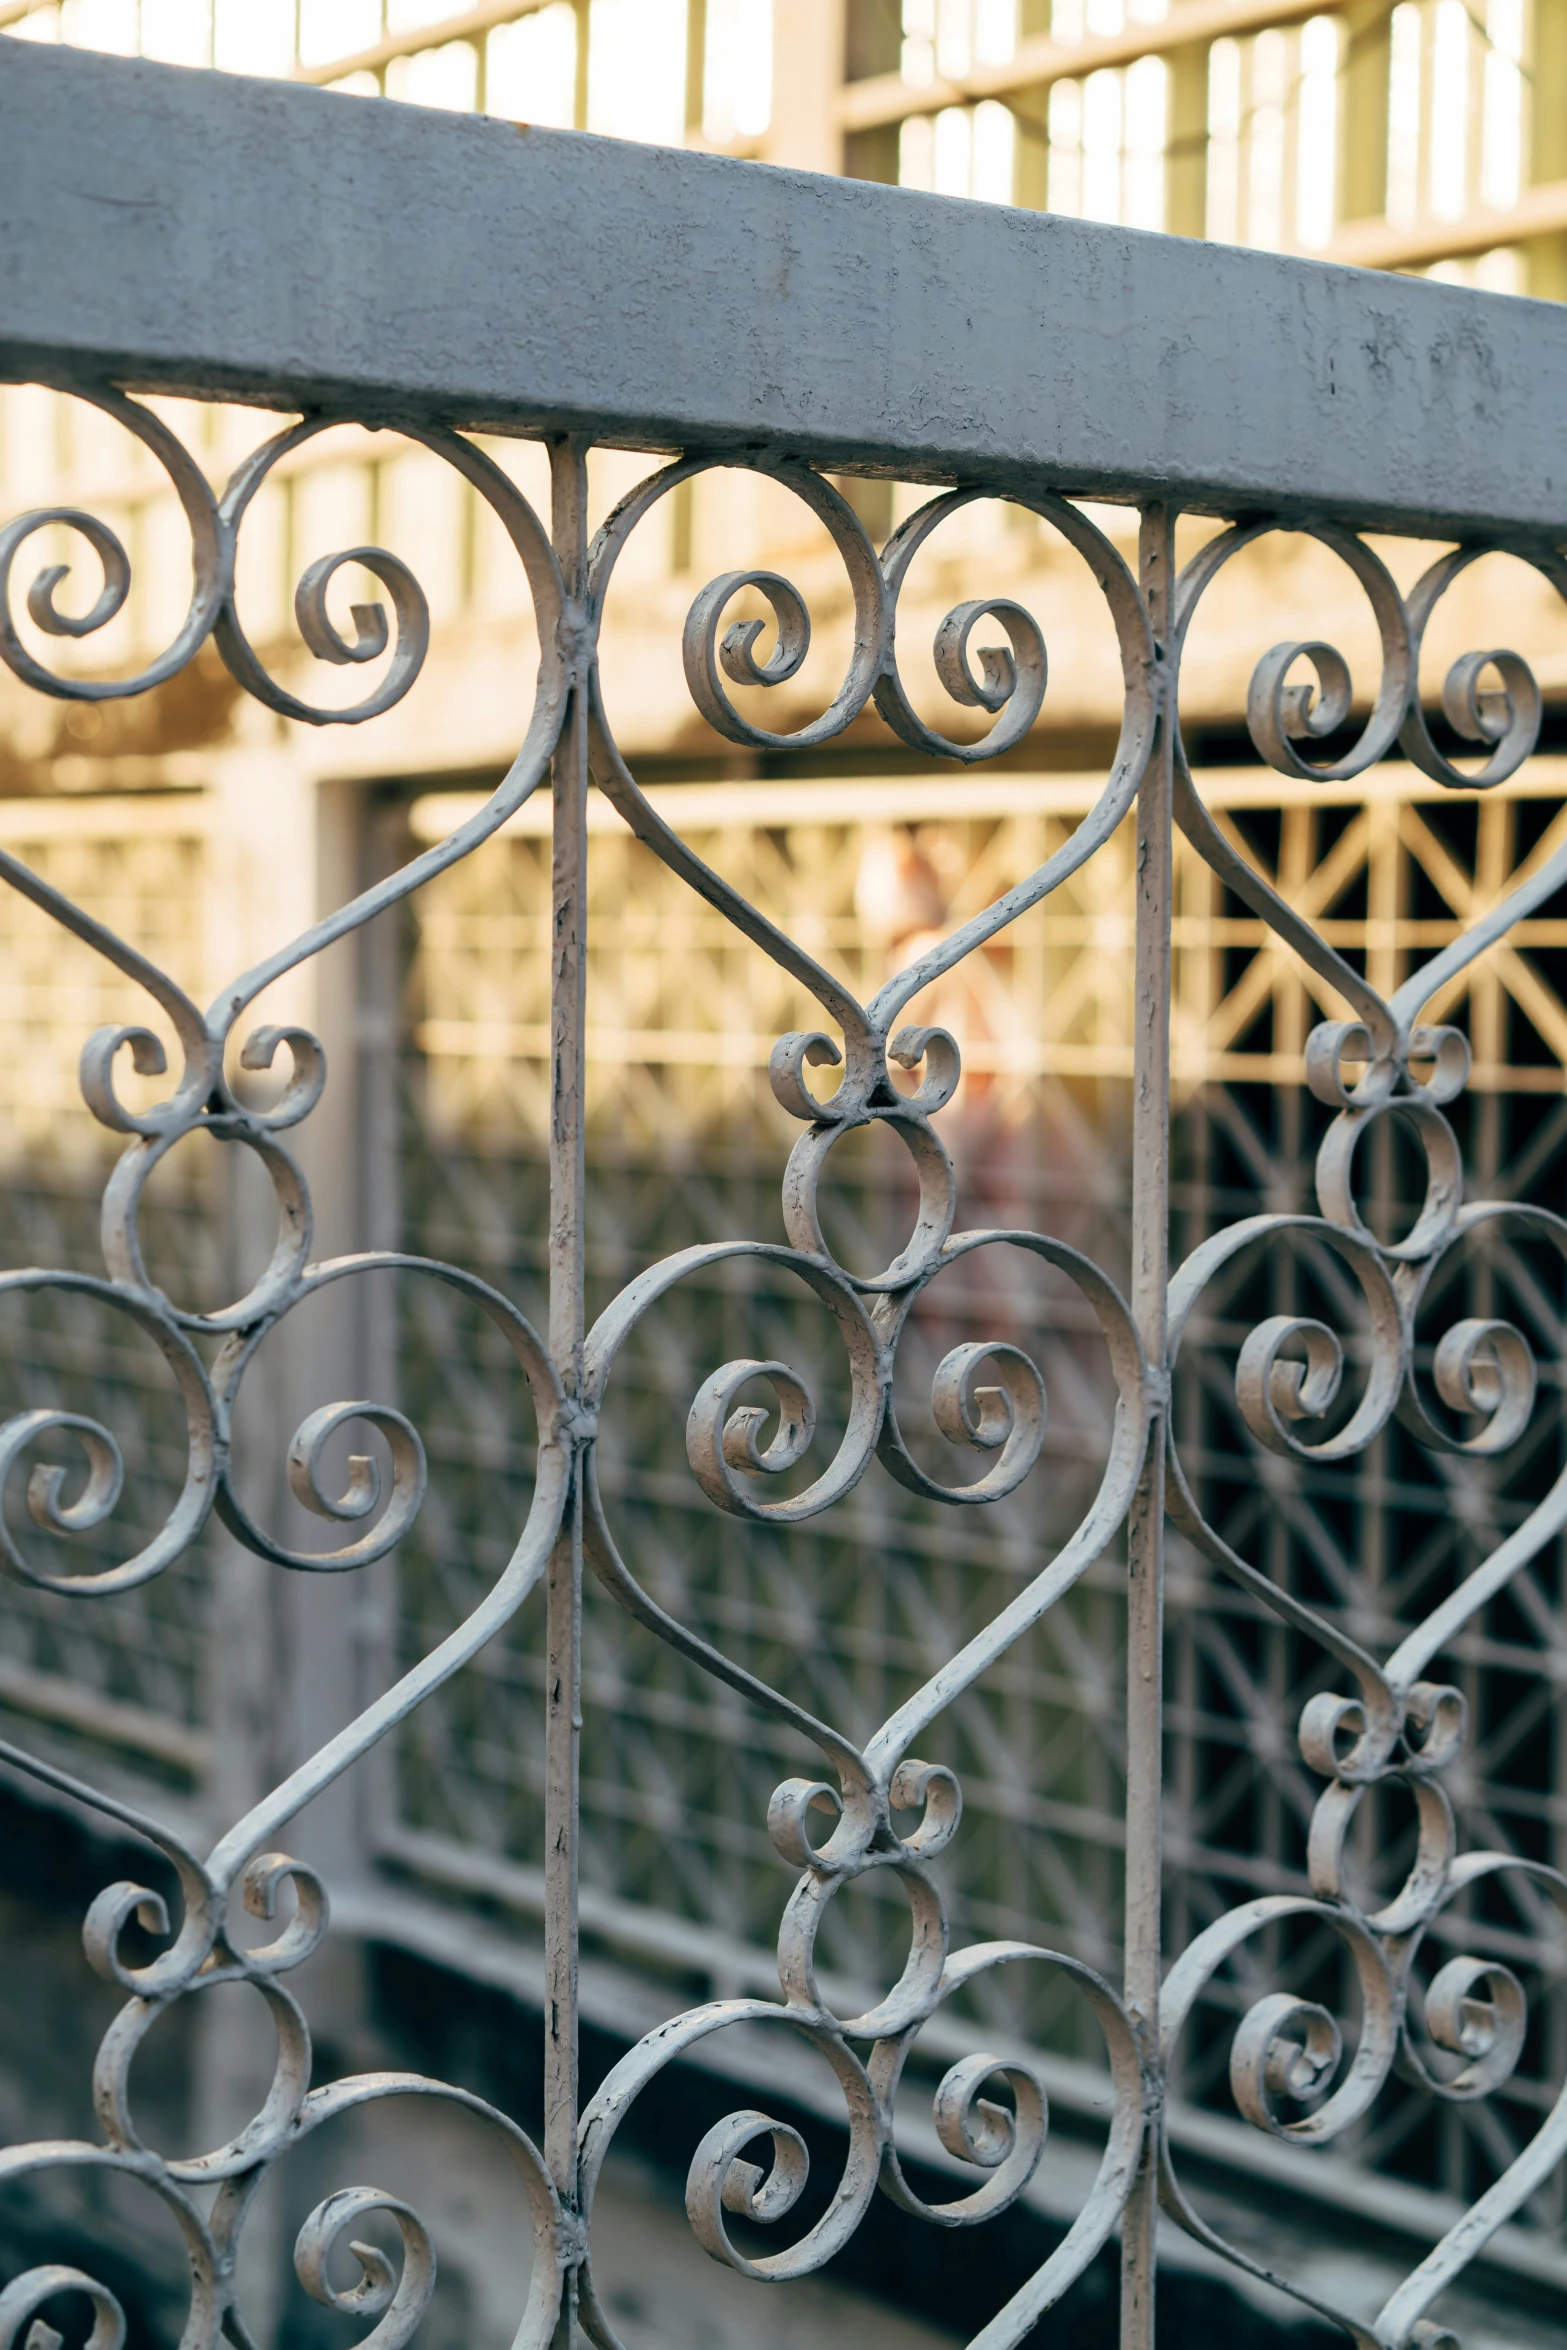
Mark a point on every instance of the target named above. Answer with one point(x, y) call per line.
point(1287, 2052)
point(988, 1399)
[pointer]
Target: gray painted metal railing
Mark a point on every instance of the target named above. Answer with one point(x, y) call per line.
point(165, 232)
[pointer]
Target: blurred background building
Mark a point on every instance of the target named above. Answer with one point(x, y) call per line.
point(1430, 136)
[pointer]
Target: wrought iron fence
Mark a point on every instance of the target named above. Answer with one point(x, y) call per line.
point(1392, 1980)
point(672, 1797)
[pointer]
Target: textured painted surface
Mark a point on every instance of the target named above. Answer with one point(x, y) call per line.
point(615, 320)
point(199, 231)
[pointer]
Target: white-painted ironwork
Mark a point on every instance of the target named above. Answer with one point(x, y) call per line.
point(862, 1804)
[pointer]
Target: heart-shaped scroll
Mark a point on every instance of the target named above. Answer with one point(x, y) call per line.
point(204, 1101)
point(1400, 1724)
point(871, 1311)
point(1290, 2052)
point(203, 1949)
point(1278, 1392)
point(1013, 686)
point(987, 1398)
point(1004, 1419)
point(1285, 719)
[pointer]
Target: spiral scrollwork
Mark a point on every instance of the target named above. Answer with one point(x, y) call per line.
point(203, 1099)
point(1002, 671)
point(1307, 1392)
point(1314, 1385)
point(45, 1486)
point(1288, 2068)
point(307, 1074)
point(1475, 2011)
point(25, 2296)
point(371, 635)
point(322, 637)
point(1501, 719)
point(148, 1059)
point(41, 606)
point(265, 1876)
point(55, 1504)
point(1286, 713)
point(158, 1954)
point(705, 655)
point(721, 2180)
point(1285, 2048)
point(736, 655)
point(398, 2301)
point(1272, 1387)
point(1289, 2071)
point(1486, 1370)
point(1285, 718)
point(721, 1441)
point(205, 1953)
point(212, 565)
point(1281, 714)
point(1007, 1418)
point(976, 2129)
point(1010, 685)
point(987, 1397)
point(363, 1495)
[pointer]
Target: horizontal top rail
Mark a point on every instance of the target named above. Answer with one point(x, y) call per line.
point(189, 232)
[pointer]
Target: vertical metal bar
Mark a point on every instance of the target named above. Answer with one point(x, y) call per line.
point(1145, 1543)
point(568, 1179)
point(1196, 988)
point(378, 1072)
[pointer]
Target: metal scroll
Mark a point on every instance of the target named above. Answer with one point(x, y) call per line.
point(864, 1804)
